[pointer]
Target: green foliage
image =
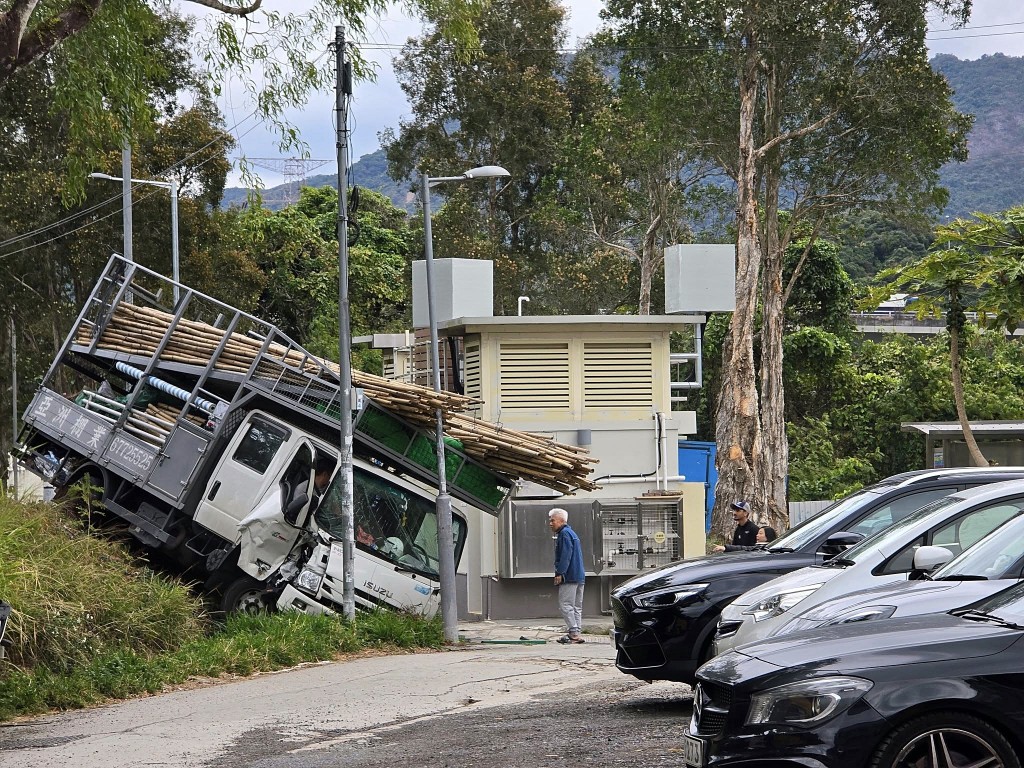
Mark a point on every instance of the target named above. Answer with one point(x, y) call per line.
point(243, 646)
point(871, 241)
point(816, 368)
point(296, 250)
point(817, 472)
point(102, 68)
point(823, 293)
point(507, 106)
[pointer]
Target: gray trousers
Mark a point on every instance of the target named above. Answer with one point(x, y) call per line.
point(570, 603)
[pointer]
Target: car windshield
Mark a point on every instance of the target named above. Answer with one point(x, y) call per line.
point(896, 532)
point(1007, 605)
point(996, 556)
point(809, 530)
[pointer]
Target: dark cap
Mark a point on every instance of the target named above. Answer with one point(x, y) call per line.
point(741, 505)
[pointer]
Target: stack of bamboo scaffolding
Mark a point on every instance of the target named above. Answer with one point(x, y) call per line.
point(138, 330)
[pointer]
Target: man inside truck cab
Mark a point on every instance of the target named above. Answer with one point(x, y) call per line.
point(324, 468)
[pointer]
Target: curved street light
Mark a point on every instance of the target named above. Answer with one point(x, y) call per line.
point(445, 541)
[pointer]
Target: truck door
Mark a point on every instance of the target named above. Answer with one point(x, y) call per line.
point(243, 475)
point(268, 533)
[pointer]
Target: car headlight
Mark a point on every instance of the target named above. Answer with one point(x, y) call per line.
point(309, 580)
point(806, 702)
point(776, 605)
point(667, 596)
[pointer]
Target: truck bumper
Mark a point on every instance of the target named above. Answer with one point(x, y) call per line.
point(293, 600)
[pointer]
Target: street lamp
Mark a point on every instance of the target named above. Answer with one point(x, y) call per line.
point(445, 541)
point(172, 187)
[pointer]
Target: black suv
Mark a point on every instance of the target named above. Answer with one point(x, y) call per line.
point(665, 619)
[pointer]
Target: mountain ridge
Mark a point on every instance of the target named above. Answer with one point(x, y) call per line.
point(992, 178)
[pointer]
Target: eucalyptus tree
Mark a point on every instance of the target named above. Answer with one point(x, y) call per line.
point(503, 106)
point(823, 104)
point(626, 182)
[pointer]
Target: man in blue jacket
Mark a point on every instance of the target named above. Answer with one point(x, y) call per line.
point(569, 575)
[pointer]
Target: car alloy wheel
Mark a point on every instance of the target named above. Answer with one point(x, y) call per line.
point(946, 740)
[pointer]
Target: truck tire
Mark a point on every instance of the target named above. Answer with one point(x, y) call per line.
point(244, 595)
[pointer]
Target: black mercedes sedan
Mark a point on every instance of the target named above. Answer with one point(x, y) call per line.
point(665, 619)
point(935, 691)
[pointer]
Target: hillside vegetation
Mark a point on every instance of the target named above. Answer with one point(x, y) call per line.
point(90, 623)
point(992, 179)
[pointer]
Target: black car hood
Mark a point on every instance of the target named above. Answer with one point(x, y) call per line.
point(710, 567)
point(876, 644)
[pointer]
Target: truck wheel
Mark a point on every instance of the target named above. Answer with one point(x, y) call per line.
point(244, 595)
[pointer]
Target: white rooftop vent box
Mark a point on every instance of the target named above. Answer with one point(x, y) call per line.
point(700, 278)
point(462, 288)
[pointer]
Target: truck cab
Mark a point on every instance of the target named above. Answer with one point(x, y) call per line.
point(262, 497)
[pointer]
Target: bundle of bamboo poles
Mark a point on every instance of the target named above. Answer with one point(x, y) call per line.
point(138, 330)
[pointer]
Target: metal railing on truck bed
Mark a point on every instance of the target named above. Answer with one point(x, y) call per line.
point(164, 380)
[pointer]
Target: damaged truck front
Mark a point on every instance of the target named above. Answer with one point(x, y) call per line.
point(204, 431)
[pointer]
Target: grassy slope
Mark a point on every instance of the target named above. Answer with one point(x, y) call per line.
point(89, 624)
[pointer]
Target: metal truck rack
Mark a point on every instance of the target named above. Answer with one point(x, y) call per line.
point(172, 378)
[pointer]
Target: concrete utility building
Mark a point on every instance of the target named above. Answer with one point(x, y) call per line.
point(603, 382)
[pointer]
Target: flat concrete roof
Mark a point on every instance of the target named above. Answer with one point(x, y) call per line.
point(464, 325)
point(953, 428)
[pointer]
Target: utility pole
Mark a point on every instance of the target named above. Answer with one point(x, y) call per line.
point(343, 90)
point(126, 199)
point(14, 401)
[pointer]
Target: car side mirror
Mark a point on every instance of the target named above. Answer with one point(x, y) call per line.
point(929, 558)
point(838, 542)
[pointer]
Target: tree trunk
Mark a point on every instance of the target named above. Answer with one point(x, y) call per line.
point(958, 397)
point(737, 430)
point(773, 467)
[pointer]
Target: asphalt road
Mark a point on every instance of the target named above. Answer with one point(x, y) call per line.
point(540, 706)
point(608, 724)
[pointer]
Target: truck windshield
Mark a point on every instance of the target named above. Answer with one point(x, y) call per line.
point(390, 521)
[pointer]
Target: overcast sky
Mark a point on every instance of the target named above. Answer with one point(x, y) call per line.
point(997, 26)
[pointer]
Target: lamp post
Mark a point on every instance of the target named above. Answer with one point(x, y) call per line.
point(172, 187)
point(445, 541)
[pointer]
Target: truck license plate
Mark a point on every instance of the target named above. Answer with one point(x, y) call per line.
point(693, 751)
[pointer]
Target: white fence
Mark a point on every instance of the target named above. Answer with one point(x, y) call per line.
point(801, 510)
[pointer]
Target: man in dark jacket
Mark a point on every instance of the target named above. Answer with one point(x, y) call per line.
point(745, 534)
point(569, 575)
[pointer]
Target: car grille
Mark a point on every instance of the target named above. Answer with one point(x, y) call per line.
point(711, 704)
point(620, 615)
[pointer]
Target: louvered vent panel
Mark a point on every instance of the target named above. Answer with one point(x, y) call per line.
point(535, 376)
point(617, 375)
point(471, 360)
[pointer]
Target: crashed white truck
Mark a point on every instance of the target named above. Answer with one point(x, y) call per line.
point(201, 428)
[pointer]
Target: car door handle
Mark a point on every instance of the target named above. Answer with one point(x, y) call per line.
point(213, 491)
